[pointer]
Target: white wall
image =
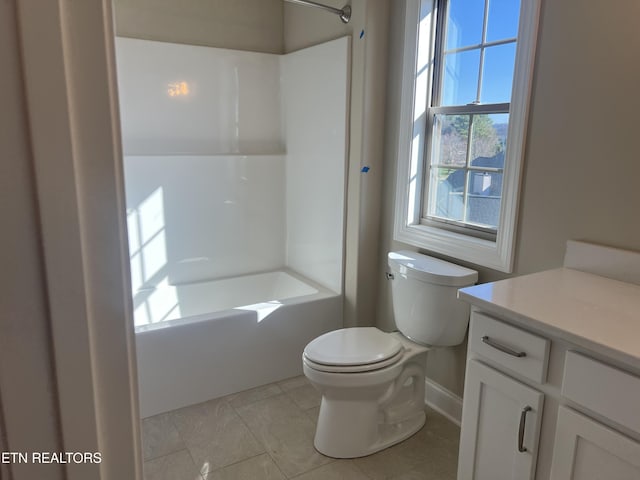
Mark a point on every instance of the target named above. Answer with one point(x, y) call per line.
point(315, 112)
point(254, 25)
point(206, 162)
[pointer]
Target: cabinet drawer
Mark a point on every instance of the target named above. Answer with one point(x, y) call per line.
point(513, 348)
point(603, 389)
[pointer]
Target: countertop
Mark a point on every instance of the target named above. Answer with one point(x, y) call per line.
point(588, 310)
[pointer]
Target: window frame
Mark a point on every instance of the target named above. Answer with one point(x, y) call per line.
point(484, 249)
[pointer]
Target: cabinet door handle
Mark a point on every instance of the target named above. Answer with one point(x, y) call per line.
point(503, 348)
point(523, 421)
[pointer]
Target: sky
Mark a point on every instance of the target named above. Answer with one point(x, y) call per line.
point(464, 28)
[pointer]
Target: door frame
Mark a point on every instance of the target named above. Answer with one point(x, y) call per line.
point(68, 62)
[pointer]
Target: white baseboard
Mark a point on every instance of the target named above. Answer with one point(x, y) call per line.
point(443, 401)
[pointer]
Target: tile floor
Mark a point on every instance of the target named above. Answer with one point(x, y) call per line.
point(267, 434)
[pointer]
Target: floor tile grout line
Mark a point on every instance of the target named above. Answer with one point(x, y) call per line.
point(184, 441)
point(251, 402)
point(260, 442)
point(149, 459)
point(357, 467)
point(175, 426)
point(169, 454)
point(236, 463)
point(283, 394)
point(313, 469)
point(292, 398)
point(198, 469)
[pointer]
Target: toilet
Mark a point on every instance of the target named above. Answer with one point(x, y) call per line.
point(372, 382)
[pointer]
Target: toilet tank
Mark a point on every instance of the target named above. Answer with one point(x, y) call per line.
point(425, 304)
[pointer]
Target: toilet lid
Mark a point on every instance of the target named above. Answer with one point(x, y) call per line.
point(352, 346)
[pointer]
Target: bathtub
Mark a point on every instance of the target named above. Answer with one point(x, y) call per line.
point(205, 340)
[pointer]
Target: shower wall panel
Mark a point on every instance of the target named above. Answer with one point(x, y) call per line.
point(186, 99)
point(213, 188)
point(315, 85)
point(193, 218)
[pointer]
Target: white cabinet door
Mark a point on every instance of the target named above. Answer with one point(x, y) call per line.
point(587, 450)
point(500, 426)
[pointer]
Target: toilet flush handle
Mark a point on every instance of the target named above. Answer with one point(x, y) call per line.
point(389, 275)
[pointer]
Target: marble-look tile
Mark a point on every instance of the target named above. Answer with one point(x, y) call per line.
point(256, 468)
point(294, 382)
point(420, 449)
point(160, 437)
point(338, 470)
point(313, 414)
point(215, 435)
point(306, 397)
point(175, 466)
point(441, 426)
point(230, 445)
point(424, 471)
point(438, 467)
point(246, 397)
point(440, 457)
point(286, 432)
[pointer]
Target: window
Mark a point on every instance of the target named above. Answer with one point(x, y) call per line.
point(466, 79)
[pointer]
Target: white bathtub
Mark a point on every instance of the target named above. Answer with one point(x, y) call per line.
point(204, 340)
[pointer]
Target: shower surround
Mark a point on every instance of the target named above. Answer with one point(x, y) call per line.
point(234, 166)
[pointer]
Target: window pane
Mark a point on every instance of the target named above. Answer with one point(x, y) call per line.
point(498, 73)
point(483, 201)
point(489, 140)
point(503, 19)
point(464, 23)
point(460, 79)
point(488, 144)
point(446, 187)
point(450, 138)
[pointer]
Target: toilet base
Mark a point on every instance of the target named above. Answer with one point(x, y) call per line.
point(362, 413)
point(387, 436)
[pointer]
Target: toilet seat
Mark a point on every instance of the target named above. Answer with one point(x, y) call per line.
point(350, 350)
point(352, 368)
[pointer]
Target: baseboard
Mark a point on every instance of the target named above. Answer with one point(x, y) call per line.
point(443, 401)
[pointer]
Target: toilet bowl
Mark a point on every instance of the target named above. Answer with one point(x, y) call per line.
point(372, 405)
point(372, 382)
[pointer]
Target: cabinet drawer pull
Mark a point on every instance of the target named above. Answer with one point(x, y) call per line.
point(502, 348)
point(523, 421)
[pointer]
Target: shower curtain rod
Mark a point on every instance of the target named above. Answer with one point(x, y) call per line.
point(344, 13)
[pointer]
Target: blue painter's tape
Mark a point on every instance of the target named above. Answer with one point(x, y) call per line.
point(362, 34)
point(364, 169)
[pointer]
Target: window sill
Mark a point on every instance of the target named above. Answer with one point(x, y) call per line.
point(497, 255)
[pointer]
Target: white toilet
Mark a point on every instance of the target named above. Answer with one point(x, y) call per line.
point(372, 382)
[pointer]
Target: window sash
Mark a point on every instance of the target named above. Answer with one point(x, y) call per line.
point(429, 165)
point(474, 108)
point(441, 51)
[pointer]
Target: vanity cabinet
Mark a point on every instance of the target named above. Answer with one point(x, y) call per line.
point(588, 450)
point(584, 448)
point(501, 415)
point(501, 422)
point(552, 387)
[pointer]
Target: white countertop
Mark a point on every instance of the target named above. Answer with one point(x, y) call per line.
point(594, 312)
